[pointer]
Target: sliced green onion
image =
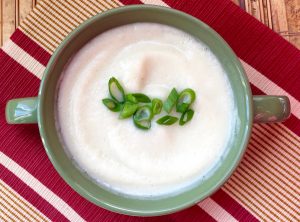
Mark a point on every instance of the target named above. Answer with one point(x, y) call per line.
point(116, 91)
point(142, 117)
point(142, 98)
point(167, 120)
point(185, 99)
point(171, 101)
point(143, 113)
point(156, 106)
point(128, 110)
point(145, 124)
point(186, 117)
point(131, 98)
point(112, 104)
point(182, 107)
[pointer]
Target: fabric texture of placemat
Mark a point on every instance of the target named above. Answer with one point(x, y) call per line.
point(266, 185)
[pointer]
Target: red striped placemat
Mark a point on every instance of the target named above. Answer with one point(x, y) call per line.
point(266, 185)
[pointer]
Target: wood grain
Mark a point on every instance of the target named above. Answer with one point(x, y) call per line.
point(279, 18)
point(293, 18)
point(283, 16)
point(23, 8)
point(8, 19)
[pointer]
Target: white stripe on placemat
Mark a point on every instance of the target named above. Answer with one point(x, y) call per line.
point(155, 2)
point(216, 211)
point(23, 58)
point(40, 188)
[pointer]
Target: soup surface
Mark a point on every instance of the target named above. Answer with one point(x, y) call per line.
point(152, 59)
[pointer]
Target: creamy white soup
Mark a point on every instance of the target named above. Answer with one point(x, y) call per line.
point(151, 59)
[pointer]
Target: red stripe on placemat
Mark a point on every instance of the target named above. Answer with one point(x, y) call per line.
point(30, 46)
point(193, 214)
point(293, 123)
point(22, 143)
point(131, 2)
point(252, 41)
point(232, 207)
point(15, 81)
point(30, 195)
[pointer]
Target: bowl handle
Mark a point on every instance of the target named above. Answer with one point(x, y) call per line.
point(267, 109)
point(23, 110)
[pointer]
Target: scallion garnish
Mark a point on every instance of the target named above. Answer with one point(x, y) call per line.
point(171, 101)
point(128, 110)
point(131, 98)
point(145, 124)
point(116, 91)
point(142, 117)
point(156, 106)
point(142, 98)
point(186, 117)
point(167, 120)
point(143, 113)
point(112, 104)
point(128, 105)
point(185, 99)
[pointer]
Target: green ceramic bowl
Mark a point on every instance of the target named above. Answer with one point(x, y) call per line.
point(42, 110)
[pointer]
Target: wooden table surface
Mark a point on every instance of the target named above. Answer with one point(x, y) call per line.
point(283, 16)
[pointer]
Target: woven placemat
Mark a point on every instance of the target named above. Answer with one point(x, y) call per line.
point(266, 185)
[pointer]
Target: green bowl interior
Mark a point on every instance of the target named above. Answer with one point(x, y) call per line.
point(83, 184)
